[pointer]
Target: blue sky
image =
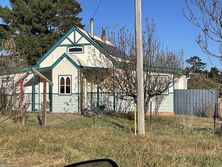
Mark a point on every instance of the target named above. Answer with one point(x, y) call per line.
point(172, 27)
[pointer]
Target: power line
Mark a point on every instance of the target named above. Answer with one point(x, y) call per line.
point(97, 7)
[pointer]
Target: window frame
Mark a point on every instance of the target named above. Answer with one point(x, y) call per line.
point(76, 51)
point(59, 84)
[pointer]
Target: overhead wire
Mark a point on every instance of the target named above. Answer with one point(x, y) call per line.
point(94, 13)
point(97, 8)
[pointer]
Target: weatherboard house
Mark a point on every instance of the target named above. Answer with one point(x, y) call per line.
point(63, 64)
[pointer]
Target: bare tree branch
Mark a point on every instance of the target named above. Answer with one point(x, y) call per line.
point(156, 59)
point(207, 16)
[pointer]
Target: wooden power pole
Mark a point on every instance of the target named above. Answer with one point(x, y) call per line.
point(139, 69)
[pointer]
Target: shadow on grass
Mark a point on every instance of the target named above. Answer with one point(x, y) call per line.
point(218, 131)
point(121, 123)
point(203, 129)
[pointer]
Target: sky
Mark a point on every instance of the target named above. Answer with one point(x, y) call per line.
point(172, 27)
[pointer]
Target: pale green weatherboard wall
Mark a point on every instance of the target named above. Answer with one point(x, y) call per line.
point(167, 104)
point(65, 103)
point(69, 103)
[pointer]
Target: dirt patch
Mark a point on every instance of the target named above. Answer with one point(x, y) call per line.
point(61, 118)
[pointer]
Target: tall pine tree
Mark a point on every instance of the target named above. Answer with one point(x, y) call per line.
point(37, 24)
point(196, 64)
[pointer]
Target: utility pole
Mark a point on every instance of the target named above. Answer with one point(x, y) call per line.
point(139, 68)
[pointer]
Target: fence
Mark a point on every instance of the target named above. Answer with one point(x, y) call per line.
point(3, 101)
point(199, 102)
point(95, 101)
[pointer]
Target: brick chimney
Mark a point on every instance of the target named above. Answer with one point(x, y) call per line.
point(103, 35)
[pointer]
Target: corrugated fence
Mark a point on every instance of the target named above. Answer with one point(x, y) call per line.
point(199, 102)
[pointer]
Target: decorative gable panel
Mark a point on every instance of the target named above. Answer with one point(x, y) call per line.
point(92, 52)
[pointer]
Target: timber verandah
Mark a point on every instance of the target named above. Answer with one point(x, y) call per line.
point(96, 102)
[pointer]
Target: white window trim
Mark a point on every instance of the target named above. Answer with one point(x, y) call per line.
point(65, 77)
point(76, 51)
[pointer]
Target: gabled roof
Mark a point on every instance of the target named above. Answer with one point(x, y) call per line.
point(26, 69)
point(64, 55)
point(55, 46)
point(156, 69)
point(107, 49)
point(166, 70)
point(65, 36)
point(112, 50)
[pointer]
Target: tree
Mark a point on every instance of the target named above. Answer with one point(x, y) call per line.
point(207, 16)
point(9, 61)
point(37, 24)
point(157, 61)
point(215, 74)
point(11, 57)
point(196, 64)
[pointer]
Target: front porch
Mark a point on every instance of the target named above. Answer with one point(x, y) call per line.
point(85, 96)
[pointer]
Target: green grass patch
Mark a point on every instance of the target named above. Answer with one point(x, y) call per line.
point(169, 141)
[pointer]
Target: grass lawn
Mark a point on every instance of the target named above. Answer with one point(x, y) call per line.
point(169, 141)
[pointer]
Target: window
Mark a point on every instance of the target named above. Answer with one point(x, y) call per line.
point(68, 85)
point(75, 49)
point(64, 84)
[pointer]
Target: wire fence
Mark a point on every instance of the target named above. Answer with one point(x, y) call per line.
point(73, 103)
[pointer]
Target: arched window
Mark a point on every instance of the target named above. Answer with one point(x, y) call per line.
point(68, 86)
point(64, 84)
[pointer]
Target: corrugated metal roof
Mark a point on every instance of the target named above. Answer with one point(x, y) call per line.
point(112, 50)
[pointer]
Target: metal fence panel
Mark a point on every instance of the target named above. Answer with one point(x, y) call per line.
point(200, 102)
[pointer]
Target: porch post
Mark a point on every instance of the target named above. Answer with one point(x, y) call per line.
point(114, 101)
point(97, 103)
point(22, 115)
point(97, 93)
point(79, 92)
point(92, 86)
point(44, 104)
point(33, 93)
point(84, 94)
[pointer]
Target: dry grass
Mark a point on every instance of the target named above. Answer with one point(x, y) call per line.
point(169, 141)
